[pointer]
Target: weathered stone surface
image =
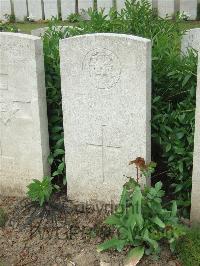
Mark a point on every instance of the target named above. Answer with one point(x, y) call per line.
point(120, 4)
point(35, 9)
point(166, 8)
point(195, 210)
point(50, 9)
point(5, 8)
point(191, 39)
point(23, 118)
point(105, 4)
point(106, 92)
point(155, 4)
point(189, 8)
point(67, 8)
point(20, 9)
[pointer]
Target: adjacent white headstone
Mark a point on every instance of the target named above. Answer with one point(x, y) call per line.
point(120, 5)
point(189, 8)
point(20, 9)
point(166, 8)
point(50, 9)
point(23, 117)
point(191, 39)
point(83, 6)
point(106, 94)
point(5, 8)
point(105, 4)
point(155, 4)
point(195, 201)
point(35, 9)
point(67, 7)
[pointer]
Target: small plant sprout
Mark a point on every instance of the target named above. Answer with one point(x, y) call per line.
point(41, 191)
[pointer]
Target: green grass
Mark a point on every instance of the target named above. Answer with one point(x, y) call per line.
point(27, 27)
point(188, 248)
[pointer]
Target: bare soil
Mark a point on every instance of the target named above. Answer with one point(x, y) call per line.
point(68, 235)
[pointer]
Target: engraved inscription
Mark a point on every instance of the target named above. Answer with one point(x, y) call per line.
point(3, 81)
point(103, 146)
point(103, 67)
point(7, 112)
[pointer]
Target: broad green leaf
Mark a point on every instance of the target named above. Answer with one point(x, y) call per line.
point(157, 221)
point(134, 256)
point(113, 220)
point(113, 243)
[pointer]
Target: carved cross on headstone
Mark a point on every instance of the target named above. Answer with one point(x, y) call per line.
point(103, 146)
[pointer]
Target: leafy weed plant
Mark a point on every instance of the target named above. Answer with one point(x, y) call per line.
point(141, 221)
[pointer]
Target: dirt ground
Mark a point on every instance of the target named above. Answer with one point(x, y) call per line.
point(68, 235)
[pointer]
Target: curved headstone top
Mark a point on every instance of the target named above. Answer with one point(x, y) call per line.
point(106, 96)
point(24, 146)
point(18, 36)
point(191, 39)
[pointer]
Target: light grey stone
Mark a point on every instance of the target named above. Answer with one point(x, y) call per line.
point(155, 4)
point(23, 117)
point(5, 8)
point(191, 39)
point(83, 6)
point(50, 9)
point(106, 94)
point(166, 8)
point(189, 8)
point(105, 4)
point(20, 9)
point(67, 8)
point(120, 4)
point(35, 9)
point(195, 209)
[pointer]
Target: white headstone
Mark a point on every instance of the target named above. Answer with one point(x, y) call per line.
point(189, 8)
point(50, 9)
point(191, 39)
point(5, 8)
point(23, 117)
point(120, 5)
point(105, 4)
point(166, 8)
point(67, 7)
point(195, 200)
point(35, 9)
point(106, 93)
point(20, 9)
point(83, 6)
point(155, 4)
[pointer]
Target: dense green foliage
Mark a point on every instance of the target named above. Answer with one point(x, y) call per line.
point(53, 85)
point(188, 248)
point(142, 221)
